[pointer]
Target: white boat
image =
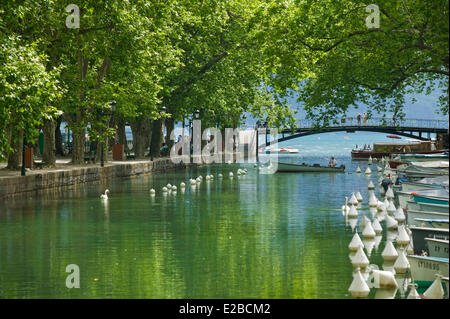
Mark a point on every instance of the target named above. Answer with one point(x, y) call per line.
point(426, 183)
point(414, 217)
point(427, 207)
point(424, 268)
point(285, 150)
point(437, 247)
point(432, 223)
point(420, 233)
point(405, 196)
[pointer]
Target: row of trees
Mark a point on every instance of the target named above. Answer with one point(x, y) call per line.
point(220, 57)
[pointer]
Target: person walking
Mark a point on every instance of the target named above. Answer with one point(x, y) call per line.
point(359, 119)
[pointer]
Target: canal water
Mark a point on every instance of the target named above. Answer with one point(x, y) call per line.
point(255, 236)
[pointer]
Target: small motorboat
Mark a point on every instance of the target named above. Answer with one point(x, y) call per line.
point(288, 167)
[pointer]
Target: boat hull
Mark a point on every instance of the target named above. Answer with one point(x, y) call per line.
point(413, 215)
point(430, 200)
point(291, 168)
point(411, 205)
point(420, 233)
point(437, 247)
point(424, 269)
point(410, 186)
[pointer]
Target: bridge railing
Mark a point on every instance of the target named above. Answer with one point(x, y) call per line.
point(380, 122)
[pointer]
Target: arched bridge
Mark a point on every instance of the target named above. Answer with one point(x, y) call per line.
point(413, 128)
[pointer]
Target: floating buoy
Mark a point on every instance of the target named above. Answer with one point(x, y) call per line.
point(371, 186)
point(377, 226)
point(355, 243)
point(164, 189)
point(359, 197)
point(381, 207)
point(368, 231)
point(410, 248)
point(401, 265)
point(413, 292)
point(182, 185)
point(373, 201)
point(390, 193)
point(364, 221)
point(352, 213)
point(220, 175)
point(382, 192)
point(369, 161)
point(360, 259)
point(368, 245)
point(391, 208)
point(198, 180)
point(435, 291)
point(174, 188)
point(402, 238)
point(358, 170)
point(152, 191)
point(399, 215)
point(353, 201)
point(377, 241)
point(359, 287)
point(368, 171)
point(231, 174)
point(384, 279)
point(389, 252)
point(379, 169)
point(391, 223)
point(207, 177)
point(192, 182)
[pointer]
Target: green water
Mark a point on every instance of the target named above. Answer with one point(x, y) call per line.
point(256, 236)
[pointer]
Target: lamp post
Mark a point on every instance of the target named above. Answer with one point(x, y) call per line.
point(110, 112)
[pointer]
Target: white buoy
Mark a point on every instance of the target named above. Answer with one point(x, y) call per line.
point(368, 231)
point(377, 226)
point(359, 197)
point(390, 193)
point(391, 208)
point(386, 202)
point(402, 238)
point(410, 248)
point(382, 192)
point(353, 201)
point(193, 182)
point(399, 215)
point(360, 259)
point(369, 243)
point(401, 265)
point(373, 202)
point(381, 207)
point(358, 287)
point(152, 191)
point(169, 186)
point(384, 279)
point(369, 161)
point(391, 223)
point(182, 185)
point(220, 175)
point(358, 170)
point(364, 221)
point(164, 189)
point(413, 292)
point(231, 174)
point(389, 252)
point(379, 169)
point(355, 243)
point(371, 186)
point(207, 177)
point(368, 171)
point(174, 188)
point(435, 291)
point(377, 241)
point(198, 180)
point(352, 213)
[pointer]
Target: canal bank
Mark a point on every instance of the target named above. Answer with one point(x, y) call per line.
point(66, 175)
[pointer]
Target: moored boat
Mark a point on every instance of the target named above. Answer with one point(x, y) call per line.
point(429, 196)
point(432, 223)
point(437, 247)
point(424, 268)
point(420, 233)
point(413, 217)
point(425, 207)
point(424, 157)
point(288, 167)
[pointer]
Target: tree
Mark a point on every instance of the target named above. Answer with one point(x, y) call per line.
point(27, 91)
point(328, 54)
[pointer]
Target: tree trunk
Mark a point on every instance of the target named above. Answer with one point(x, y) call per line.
point(157, 136)
point(78, 146)
point(170, 125)
point(15, 158)
point(58, 137)
point(141, 131)
point(98, 152)
point(49, 156)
